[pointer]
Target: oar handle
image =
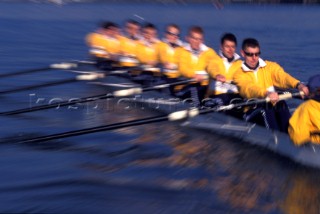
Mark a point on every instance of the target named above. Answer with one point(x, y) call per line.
point(179, 115)
point(253, 102)
point(91, 76)
point(287, 96)
point(63, 65)
point(127, 92)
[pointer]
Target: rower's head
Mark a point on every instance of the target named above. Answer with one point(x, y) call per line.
point(110, 29)
point(149, 32)
point(132, 28)
point(251, 51)
point(172, 33)
point(195, 37)
point(228, 45)
point(314, 87)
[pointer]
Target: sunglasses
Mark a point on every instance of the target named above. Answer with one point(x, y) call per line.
point(252, 54)
point(173, 34)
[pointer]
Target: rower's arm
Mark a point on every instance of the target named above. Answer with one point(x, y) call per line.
point(185, 63)
point(280, 78)
point(216, 68)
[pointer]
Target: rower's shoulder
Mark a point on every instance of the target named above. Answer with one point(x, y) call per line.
point(310, 106)
point(122, 37)
point(93, 35)
point(272, 63)
point(213, 54)
point(163, 44)
point(313, 104)
point(183, 49)
point(238, 61)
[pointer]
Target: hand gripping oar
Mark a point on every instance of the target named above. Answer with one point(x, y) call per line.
point(91, 76)
point(61, 66)
point(119, 93)
point(175, 116)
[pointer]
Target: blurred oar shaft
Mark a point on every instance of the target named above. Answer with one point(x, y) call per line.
point(61, 66)
point(59, 104)
point(96, 129)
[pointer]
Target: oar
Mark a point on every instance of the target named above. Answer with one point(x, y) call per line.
point(61, 66)
point(58, 104)
point(291, 90)
point(91, 76)
point(119, 93)
point(96, 129)
point(251, 102)
point(175, 116)
point(139, 90)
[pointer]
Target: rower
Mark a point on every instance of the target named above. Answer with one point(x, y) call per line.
point(147, 54)
point(304, 125)
point(193, 60)
point(258, 78)
point(128, 43)
point(221, 72)
point(147, 48)
point(168, 51)
point(104, 44)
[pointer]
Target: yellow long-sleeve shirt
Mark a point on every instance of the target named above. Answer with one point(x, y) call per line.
point(189, 62)
point(168, 55)
point(100, 43)
point(222, 67)
point(148, 53)
point(128, 47)
point(255, 84)
point(218, 67)
point(306, 119)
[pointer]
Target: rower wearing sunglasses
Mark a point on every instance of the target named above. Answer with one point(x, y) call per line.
point(168, 51)
point(168, 55)
point(257, 78)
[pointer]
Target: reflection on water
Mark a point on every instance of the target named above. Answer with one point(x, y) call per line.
point(303, 193)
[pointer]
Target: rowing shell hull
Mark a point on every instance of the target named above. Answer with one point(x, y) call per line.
point(222, 124)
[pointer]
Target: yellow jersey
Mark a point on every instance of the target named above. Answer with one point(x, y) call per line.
point(168, 57)
point(304, 121)
point(148, 52)
point(128, 46)
point(102, 45)
point(223, 67)
point(190, 62)
point(256, 84)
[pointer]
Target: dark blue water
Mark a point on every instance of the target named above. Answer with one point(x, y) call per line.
point(157, 168)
